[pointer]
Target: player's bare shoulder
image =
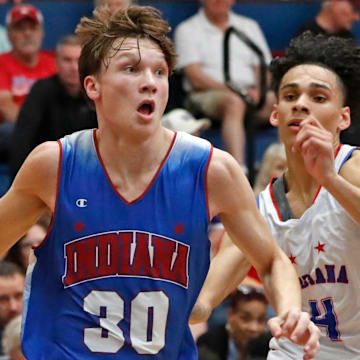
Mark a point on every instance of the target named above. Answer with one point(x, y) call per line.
point(39, 172)
point(225, 180)
point(222, 168)
point(351, 168)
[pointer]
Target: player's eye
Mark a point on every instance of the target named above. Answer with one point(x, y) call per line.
point(289, 96)
point(320, 98)
point(129, 69)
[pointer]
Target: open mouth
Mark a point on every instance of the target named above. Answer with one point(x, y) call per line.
point(147, 107)
point(295, 123)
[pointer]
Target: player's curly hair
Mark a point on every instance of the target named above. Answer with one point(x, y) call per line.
point(342, 56)
point(98, 35)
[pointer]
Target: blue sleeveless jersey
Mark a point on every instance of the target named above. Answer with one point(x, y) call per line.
point(118, 280)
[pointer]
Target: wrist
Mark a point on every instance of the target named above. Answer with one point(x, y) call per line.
point(332, 181)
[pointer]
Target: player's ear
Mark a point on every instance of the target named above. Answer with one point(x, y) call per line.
point(92, 87)
point(345, 120)
point(274, 121)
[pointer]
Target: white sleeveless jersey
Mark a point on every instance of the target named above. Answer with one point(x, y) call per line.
point(324, 246)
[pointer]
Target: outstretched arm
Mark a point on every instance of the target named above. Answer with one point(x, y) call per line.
point(231, 196)
point(32, 193)
point(227, 269)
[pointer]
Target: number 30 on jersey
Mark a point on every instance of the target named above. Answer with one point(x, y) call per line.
point(148, 317)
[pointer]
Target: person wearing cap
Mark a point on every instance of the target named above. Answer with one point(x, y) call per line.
point(244, 336)
point(54, 107)
point(182, 120)
point(25, 63)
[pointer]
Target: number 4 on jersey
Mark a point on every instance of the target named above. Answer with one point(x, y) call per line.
point(327, 320)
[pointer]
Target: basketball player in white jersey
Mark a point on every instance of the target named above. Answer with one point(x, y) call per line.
point(314, 209)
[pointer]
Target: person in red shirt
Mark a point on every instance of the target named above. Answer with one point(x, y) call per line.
point(25, 63)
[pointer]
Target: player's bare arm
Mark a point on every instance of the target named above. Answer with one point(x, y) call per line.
point(231, 196)
point(230, 264)
point(32, 193)
point(316, 146)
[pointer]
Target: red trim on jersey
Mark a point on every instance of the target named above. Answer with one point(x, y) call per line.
point(254, 275)
point(152, 180)
point(317, 193)
point(273, 199)
point(56, 198)
point(336, 153)
point(337, 150)
point(206, 183)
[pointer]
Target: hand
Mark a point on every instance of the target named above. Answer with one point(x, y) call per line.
point(316, 146)
point(297, 327)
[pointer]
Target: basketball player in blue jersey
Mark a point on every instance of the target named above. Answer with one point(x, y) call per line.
point(127, 250)
point(314, 209)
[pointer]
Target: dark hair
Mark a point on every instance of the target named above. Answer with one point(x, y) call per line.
point(339, 55)
point(9, 269)
point(99, 33)
point(245, 293)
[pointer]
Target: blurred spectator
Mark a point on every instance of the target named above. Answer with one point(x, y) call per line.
point(182, 120)
point(12, 340)
point(199, 43)
point(54, 107)
point(336, 17)
point(5, 45)
point(113, 4)
point(25, 64)
point(11, 293)
point(244, 336)
point(273, 165)
point(19, 254)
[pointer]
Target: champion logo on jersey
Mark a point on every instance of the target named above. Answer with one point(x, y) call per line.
point(81, 203)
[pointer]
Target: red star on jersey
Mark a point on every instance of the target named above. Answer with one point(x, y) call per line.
point(179, 229)
point(292, 259)
point(320, 247)
point(79, 226)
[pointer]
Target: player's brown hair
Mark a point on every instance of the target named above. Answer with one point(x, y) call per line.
point(99, 33)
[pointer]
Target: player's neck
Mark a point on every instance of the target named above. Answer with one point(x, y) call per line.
point(298, 180)
point(132, 165)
